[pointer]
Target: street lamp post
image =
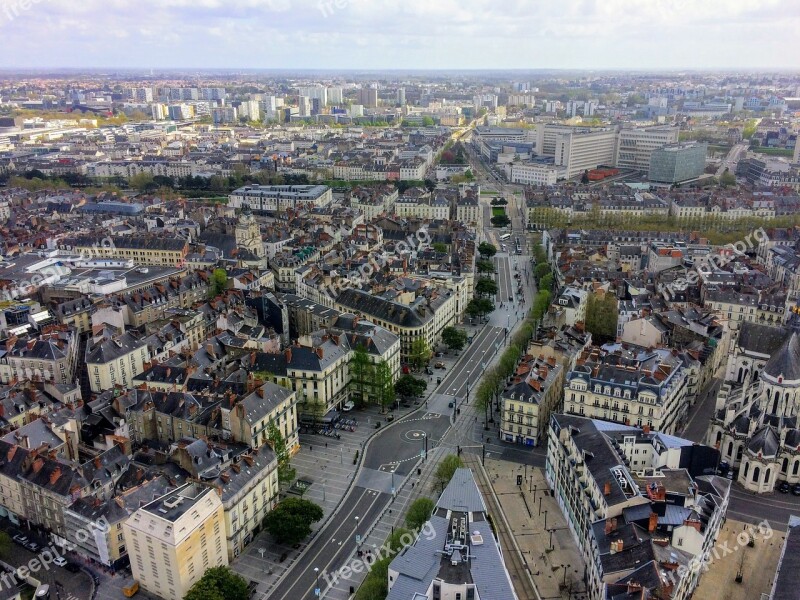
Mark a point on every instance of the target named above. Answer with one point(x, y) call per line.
point(545, 520)
point(355, 531)
point(317, 590)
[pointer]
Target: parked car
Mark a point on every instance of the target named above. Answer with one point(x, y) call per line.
point(428, 371)
point(32, 546)
point(348, 406)
point(796, 489)
point(439, 365)
point(20, 539)
point(784, 487)
point(60, 561)
point(438, 355)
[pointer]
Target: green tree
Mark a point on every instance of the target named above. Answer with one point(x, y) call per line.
point(141, 181)
point(485, 286)
point(290, 522)
point(478, 307)
point(440, 247)
point(408, 386)
point(484, 266)
point(727, 179)
point(420, 353)
point(501, 221)
point(540, 304)
point(219, 283)
point(585, 177)
point(218, 583)
point(279, 446)
point(601, 317)
point(419, 512)
point(362, 375)
point(486, 249)
point(540, 271)
point(384, 388)
point(455, 338)
point(446, 468)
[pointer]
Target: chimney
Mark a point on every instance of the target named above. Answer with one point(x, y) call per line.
point(55, 475)
point(646, 429)
point(319, 352)
point(11, 452)
point(652, 523)
point(607, 528)
point(693, 523)
point(96, 462)
point(260, 392)
point(607, 488)
point(288, 355)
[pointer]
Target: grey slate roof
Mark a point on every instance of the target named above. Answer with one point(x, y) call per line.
point(786, 361)
point(787, 579)
point(462, 493)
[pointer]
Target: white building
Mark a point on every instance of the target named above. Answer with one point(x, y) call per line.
point(635, 146)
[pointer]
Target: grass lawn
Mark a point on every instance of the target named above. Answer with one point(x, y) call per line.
point(772, 151)
point(498, 211)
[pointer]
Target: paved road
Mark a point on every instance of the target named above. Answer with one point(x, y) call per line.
point(389, 458)
point(732, 159)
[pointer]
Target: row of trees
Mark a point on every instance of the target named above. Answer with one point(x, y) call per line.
point(375, 585)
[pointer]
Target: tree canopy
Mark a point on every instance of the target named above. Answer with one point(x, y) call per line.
point(486, 249)
point(290, 522)
point(409, 386)
point(446, 468)
point(218, 583)
point(455, 338)
point(601, 317)
point(485, 286)
point(419, 512)
point(279, 446)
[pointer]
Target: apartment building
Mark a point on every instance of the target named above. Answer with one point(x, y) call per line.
point(635, 386)
point(143, 250)
point(51, 357)
point(274, 198)
point(248, 420)
point(470, 211)
point(534, 392)
point(642, 521)
point(247, 481)
point(424, 317)
point(11, 499)
point(635, 146)
point(114, 357)
point(172, 540)
point(424, 207)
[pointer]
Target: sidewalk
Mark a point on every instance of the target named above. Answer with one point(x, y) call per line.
point(521, 505)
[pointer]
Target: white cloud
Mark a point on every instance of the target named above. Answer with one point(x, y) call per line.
point(342, 33)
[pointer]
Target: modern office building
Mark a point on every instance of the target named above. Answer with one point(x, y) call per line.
point(456, 556)
point(368, 97)
point(676, 163)
point(580, 150)
point(174, 539)
point(635, 146)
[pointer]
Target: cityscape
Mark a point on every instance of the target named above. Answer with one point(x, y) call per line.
point(399, 301)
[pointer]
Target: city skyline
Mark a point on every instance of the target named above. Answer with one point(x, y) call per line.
point(414, 35)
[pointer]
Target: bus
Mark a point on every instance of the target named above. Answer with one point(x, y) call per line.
point(504, 237)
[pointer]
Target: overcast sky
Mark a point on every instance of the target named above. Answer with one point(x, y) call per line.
point(402, 34)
